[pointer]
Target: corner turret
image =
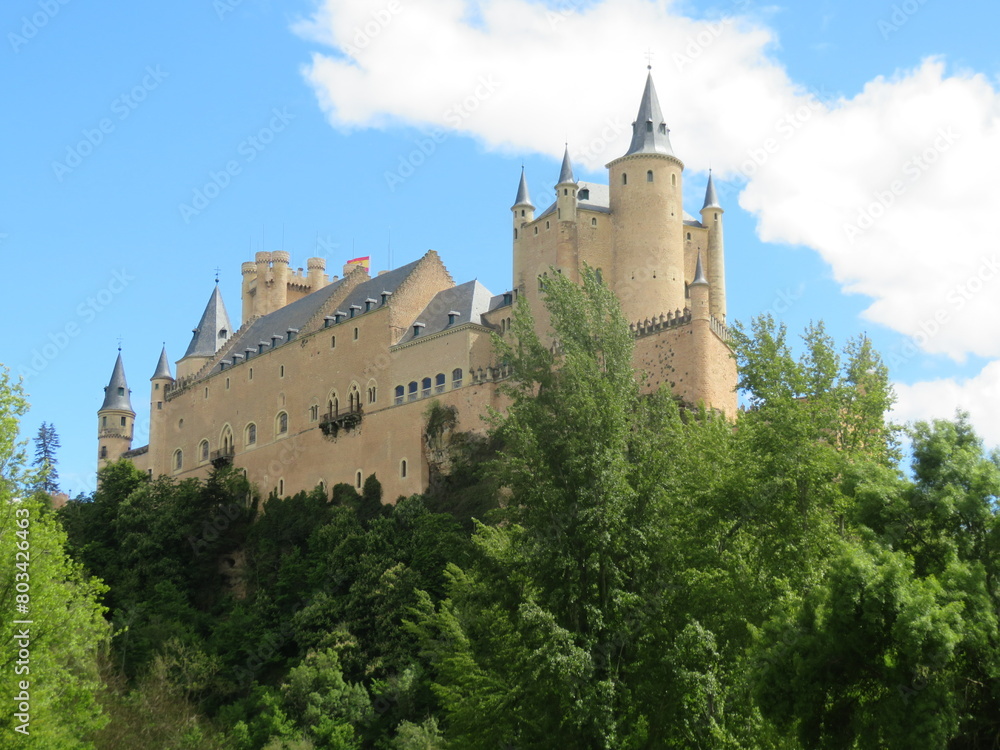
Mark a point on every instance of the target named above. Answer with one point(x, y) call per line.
point(566, 190)
point(711, 217)
point(115, 418)
point(157, 400)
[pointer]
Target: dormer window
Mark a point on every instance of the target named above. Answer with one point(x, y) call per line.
point(121, 391)
point(584, 194)
point(223, 333)
point(354, 308)
point(338, 315)
point(508, 298)
point(416, 329)
point(291, 333)
point(275, 338)
point(260, 346)
point(368, 304)
point(663, 128)
point(385, 297)
point(452, 317)
point(649, 126)
point(328, 321)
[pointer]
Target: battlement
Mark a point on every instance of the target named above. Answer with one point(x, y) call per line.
point(675, 319)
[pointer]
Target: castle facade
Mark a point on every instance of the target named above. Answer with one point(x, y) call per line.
point(327, 380)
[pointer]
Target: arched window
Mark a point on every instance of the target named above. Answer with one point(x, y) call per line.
point(411, 391)
point(456, 377)
point(425, 388)
point(178, 459)
point(355, 399)
point(673, 180)
point(104, 451)
point(624, 179)
point(439, 382)
point(203, 450)
point(357, 479)
point(400, 392)
point(227, 442)
point(649, 175)
point(372, 391)
point(251, 434)
point(402, 469)
point(515, 234)
point(281, 423)
point(333, 406)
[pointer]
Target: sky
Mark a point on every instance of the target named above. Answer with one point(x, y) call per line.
point(145, 145)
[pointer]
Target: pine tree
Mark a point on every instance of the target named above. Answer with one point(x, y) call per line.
point(46, 444)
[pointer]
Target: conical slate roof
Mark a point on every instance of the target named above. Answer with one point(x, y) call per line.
point(523, 199)
point(711, 199)
point(162, 367)
point(213, 329)
point(649, 131)
point(116, 394)
point(566, 172)
point(699, 273)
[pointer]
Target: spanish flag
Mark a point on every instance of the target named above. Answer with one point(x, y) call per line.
point(364, 262)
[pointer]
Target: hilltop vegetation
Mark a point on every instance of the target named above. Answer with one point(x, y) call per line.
point(605, 570)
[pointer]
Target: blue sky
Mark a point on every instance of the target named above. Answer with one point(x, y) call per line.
point(852, 141)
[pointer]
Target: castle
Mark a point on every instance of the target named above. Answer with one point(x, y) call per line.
point(328, 380)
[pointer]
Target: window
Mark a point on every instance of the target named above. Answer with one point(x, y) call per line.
point(439, 381)
point(159, 405)
point(251, 434)
point(121, 391)
point(402, 469)
point(649, 126)
point(649, 175)
point(593, 222)
point(333, 342)
point(178, 459)
point(251, 374)
point(412, 391)
point(281, 486)
point(355, 333)
point(357, 479)
point(206, 391)
point(123, 421)
point(314, 413)
point(425, 388)
point(282, 423)
point(515, 234)
point(456, 378)
point(355, 399)
point(624, 179)
point(203, 450)
point(546, 224)
point(673, 180)
point(228, 444)
point(584, 194)
point(227, 384)
point(104, 451)
point(689, 236)
point(156, 386)
point(333, 406)
point(281, 371)
point(372, 394)
point(104, 421)
point(536, 230)
point(400, 391)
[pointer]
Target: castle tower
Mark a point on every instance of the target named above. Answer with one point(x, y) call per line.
point(567, 255)
point(523, 214)
point(212, 332)
point(711, 217)
point(701, 331)
point(648, 216)
point(249, 271)
point(279, 274)
point(115, 419)
point(317, 276)
point(261, 296)
point(157, 397)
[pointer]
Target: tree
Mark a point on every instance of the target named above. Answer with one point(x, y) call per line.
point(53, 646)
point(46, 444)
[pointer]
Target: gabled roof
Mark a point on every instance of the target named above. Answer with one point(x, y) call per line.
point(116, 394)
point(650, 134)
point(163, 366)
point(470, 300)
point(213, 328)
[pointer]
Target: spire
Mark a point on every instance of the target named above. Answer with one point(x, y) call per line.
point(116, 394)
point(649, 131)
point(699, 273)
point(523, 199)
point(566, 173)
point(711, 199)
point(163, 366)
point(213, 328)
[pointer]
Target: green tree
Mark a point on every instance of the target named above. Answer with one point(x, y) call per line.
point(52, 626)
point(46, 445)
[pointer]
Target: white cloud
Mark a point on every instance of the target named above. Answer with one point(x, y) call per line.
point(909, 152)
point(939, 399)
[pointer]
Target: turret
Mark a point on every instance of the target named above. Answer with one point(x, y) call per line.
point(249, 271)
point(157, 412)
point(523, 209)
point(212, 332)
point(317, 275)
point(262, 297)
point(280, 274)
point(647, 216)
point(711, 217)
point(566, 191)
point(701, 383)
point(115, 419)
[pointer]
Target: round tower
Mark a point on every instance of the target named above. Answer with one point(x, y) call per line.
point(280, 274)
point(317, 275)
point(711, 217)
point(699, 387)
point(523, 213)
point(115, 418)
point(158, 412)
point(647, 217)
point(566, 191)
point(262, 297)
point(249, 271)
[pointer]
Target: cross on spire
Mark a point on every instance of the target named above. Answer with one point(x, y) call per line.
point(217, 272)
point(119, 343)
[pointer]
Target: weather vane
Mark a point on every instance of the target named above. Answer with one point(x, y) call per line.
point(119, 343)
point(649, 59)
point(217, 272)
